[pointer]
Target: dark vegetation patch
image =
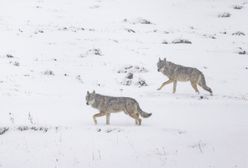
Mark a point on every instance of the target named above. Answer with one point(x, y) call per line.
point(238, 33)
point(138, 21)
point(242, 51)
point(224, 15)
point(141, 83)
point(32, 128)
point(132, 69)
point(9, 56)
point(93, 52)
point(3, 130)
point(238, 7)
point(130, 30)
point(131, 78)
point(164, 42)
point(181, 41)
point(49, 73)
point(210, 36)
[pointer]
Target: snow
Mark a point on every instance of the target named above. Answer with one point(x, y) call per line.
point(53, 52)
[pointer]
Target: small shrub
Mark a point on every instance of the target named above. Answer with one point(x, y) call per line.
point(23, 128)
point(164, 42)
point(94, 51)
point(126, 82)
point(238, 33)
point(237, 7)
point(181, 41)
point(241, 51)
point(49, 72)
point(16, 63)
point(209, 36)
point(224, 15)
point(138, 21)
point(3, 130)
point(132, 69)
point(141, 83)
point(143, 21)
point(9, 56)
point(129, 76)
point(130, 30)
point(33, 128)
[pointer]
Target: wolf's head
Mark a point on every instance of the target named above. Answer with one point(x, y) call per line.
point(161, 64)
point(90, 98)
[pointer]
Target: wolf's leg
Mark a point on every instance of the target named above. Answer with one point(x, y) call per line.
point(136, 118)
point(98, 115)
point(107, 118)
point(203, 84)
point(174, 86)
point(131, 115)
point(165, 83)
point(194, 85)
point(205, 87)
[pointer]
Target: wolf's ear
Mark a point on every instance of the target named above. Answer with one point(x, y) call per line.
point(159, 59)
point(93, 92)
point(88, 92)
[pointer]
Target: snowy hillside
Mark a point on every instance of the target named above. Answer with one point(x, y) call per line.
point(53, 51)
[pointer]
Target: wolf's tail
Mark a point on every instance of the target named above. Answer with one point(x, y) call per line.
point(202, 83)
point(142, 113)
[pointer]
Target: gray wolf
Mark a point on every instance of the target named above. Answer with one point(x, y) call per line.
point(181, 73)
point(107, 105)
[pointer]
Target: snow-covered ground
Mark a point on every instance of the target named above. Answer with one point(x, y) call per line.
point(53, 51)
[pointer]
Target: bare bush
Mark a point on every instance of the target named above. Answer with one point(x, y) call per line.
point(181, 41)
point(224, 15)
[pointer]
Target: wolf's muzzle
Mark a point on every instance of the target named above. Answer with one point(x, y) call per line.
point(87, 103)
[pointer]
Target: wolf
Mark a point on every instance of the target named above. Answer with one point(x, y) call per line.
point(181, 73)
point(108, 104)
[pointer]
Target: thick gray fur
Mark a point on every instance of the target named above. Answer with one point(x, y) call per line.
point(108, 104)
point(182, 73)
